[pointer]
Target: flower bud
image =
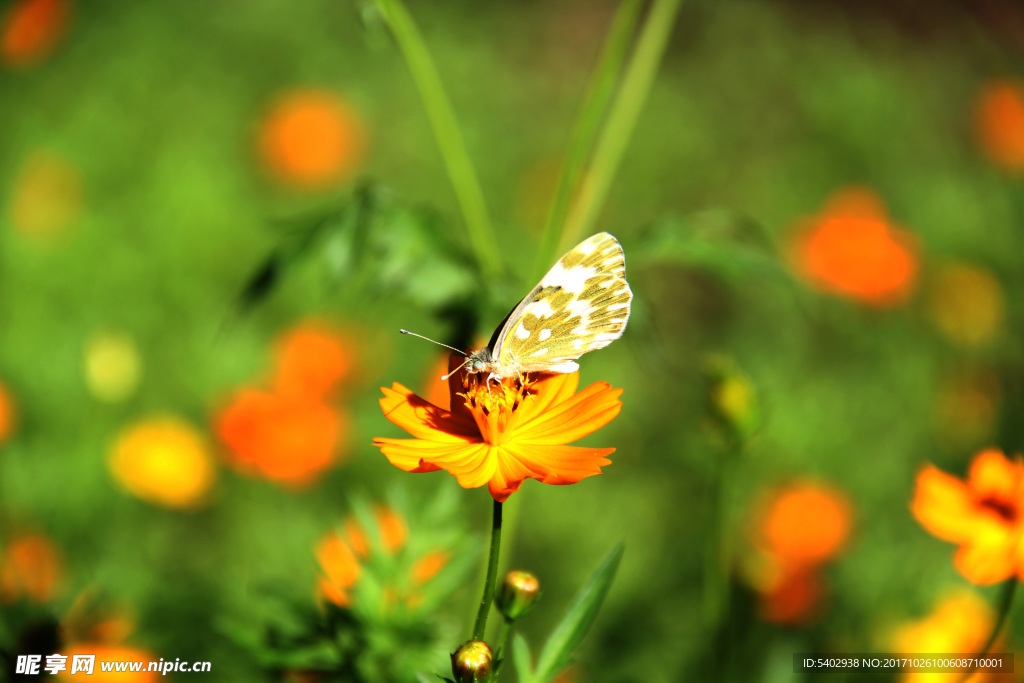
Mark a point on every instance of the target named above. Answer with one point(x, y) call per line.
point(517, 594)
point(732, 399)
point(472, 662)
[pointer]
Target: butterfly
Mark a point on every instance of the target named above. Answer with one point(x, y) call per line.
point(580, 305)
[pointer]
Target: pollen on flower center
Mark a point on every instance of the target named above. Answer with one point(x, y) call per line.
point(493, 404)
point(1007, 511)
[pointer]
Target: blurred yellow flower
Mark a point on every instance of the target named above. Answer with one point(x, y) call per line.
point(31, 29)
point(960, 624)
point(47, 197)
point(165, 461)
point(312, 138)
point(6, 414)
point(966, 303)
point(112, 366)
point(31, 568)
point(999, 123)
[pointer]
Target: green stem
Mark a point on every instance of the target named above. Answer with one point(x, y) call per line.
point(622, 118)
point(1005, 602)
point(585, 128)
point(480, 626)
point(446, 131)
point(506, 631)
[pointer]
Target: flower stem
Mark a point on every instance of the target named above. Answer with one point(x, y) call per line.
point(480, 626)
point(1005, 602)
point(506, 631)
point(622, 118)
point(446, 131)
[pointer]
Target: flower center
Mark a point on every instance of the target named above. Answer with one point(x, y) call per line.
point(493, 403)
point(1006, 510)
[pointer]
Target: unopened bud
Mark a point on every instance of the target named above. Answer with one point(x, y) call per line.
point(518, 593)
point(472, 662)
point(732, 398)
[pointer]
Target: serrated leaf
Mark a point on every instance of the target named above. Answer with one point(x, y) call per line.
point(578, 619)
point(521, 659)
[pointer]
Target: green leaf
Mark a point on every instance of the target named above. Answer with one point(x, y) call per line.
point(521, 659)
point(578, 619)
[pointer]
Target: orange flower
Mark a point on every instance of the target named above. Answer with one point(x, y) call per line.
point(339, 558)
point(312, 138)
point(6, 414)
point(31, 29)
point(500, 433)
point(852, 250)
point(792, 596)
point(960, 623)
point(983, 515)
point(312, 360)
point(999, 123)
point(30, 567)
point(165, 461)
point(285, 438)
point(806, 523)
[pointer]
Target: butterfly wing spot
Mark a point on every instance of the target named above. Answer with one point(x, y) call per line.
point(522, 332)
point(545, 334)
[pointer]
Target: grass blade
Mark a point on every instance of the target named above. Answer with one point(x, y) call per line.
point(577, 620)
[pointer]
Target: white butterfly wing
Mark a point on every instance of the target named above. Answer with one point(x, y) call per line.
point(580, 305)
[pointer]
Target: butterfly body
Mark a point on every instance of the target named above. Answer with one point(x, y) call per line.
point(580, 305)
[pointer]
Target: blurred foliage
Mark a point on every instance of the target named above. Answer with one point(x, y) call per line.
point(152, 251)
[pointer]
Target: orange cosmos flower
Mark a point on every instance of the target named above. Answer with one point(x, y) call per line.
point(852, 250)
point(500, 433)
point(961, 623)
point(312, 138)
point(312, 360)
point(999, 123)
point(288, 439)
point(983, 515)
point(30, 567)
point(31, 29)
point(340, 554)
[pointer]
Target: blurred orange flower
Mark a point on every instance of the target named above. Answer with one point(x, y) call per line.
point(312, 360)
point(31, 29)
point(500, 433)
point(312, 138)
point(999, 123)
point(30, 567)
point(961, 623)
point(966, 303)
point(806, 523)
point(6, 414)
point(163, 460)
point(798, 528)
point(285, 438)
point(46, 198)
point(339, 555)
point(852, 250)
point(110, 653)
point(982, 515)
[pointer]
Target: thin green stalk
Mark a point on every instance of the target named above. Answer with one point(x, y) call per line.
point(622, 118)
point(586, 126)
point(446, 131)
point(500, 653)
point(480, 626)
point(1005, 603)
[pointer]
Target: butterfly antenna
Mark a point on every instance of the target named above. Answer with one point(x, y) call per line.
point(444, 378)
point(435, 342)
